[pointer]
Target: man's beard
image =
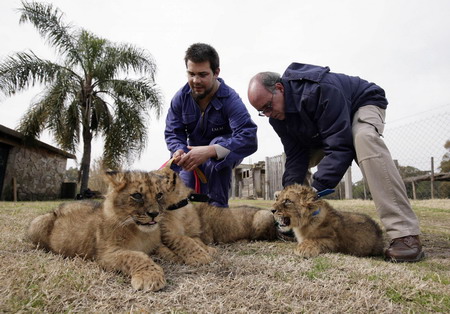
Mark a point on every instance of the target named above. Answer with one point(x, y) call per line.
point(203, 95)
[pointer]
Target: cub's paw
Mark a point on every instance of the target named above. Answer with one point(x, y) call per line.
point(212, 251)
point(198, 258)
point(307, 251)
point(148, 280)
point(168, 255)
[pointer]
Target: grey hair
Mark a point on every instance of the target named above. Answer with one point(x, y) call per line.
point(269, 79)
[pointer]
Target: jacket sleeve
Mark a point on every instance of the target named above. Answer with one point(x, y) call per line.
point(297, 157)
point(175, 131)
point(335, 128)
point(243, 140)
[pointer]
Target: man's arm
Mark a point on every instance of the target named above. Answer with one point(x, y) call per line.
point(243, 141)
point(335, 129)
point(175, 131)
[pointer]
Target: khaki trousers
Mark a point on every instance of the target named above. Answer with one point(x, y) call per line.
point(381, 174)
point(379, 171)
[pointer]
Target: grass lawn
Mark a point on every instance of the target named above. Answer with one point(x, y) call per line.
point(246, 277)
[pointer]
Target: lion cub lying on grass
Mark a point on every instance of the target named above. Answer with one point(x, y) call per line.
point(118, 233)
point(187, 227)
point(319, 228)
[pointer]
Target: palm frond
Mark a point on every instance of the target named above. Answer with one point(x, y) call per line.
point(24, 69)
point(52, 111)
point(58, 99)
point(125, 58)
point(142, 93)
point(101, 116)
point(70, 138)
point(127, 136)
point(48, 22)
point(91, 49)
point(33, 122)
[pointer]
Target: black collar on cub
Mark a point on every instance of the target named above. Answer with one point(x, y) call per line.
point(180, 204)
point(193, 197)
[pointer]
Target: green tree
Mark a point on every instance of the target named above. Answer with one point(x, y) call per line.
point(445, 163)
point(444, 187)
point(84, 93)
point(409, 171)
point(71, 175)
point(361, 190)
point(423, 189)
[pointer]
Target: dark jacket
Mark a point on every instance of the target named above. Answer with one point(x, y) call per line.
point(225, 116)
point(319, 107)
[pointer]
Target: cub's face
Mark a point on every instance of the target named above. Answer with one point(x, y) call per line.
point(171, 189)
point(295, 207)
point(136, 199)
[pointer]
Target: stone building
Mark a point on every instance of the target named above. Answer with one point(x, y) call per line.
point(32, 171)
point(259, 180)
point(248, 181)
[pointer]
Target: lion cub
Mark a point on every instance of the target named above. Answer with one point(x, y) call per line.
point(319, 228)
point(187, 227)
point(118, 233)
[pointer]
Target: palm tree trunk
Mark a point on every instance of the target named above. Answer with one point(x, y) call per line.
point(87, 134)
point(86, 159)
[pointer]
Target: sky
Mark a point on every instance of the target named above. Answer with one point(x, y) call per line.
point(401, 45)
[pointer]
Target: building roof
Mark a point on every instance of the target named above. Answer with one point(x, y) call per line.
point(12, 137)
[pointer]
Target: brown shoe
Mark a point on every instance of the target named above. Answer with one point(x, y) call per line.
point(405, 249)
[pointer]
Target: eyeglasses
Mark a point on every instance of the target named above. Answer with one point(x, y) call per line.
point(267, 108)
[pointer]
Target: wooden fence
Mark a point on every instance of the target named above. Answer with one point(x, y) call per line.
point(274, 175)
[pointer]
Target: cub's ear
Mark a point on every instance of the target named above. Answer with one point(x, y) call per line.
point(166, 171)
point(115, 179)
point(170, 177)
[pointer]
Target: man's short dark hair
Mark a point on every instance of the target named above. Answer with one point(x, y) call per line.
point(200, 52)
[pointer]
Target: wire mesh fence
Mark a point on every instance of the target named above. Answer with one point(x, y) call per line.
point(417, 145)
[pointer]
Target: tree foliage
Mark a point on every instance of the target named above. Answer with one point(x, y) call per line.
point(444, 188)
point(445, 163)
point(87, 92)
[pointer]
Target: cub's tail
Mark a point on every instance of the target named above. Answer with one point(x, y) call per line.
point(40, 229)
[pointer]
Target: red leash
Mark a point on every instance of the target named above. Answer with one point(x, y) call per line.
point(198, 175)
point(197, 183)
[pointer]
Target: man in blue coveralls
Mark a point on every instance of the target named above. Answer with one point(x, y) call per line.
point(329, 119)
point(208, 126)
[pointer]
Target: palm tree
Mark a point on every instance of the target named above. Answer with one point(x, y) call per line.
point(83, 94)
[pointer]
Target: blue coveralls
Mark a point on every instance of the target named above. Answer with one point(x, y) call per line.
point(226, 122)
point(319, 107)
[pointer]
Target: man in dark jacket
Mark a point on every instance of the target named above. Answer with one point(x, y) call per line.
point(208, 126)
point(328, 119)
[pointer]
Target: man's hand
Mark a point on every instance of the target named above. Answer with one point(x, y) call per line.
point(177, 156)
point(195, 157)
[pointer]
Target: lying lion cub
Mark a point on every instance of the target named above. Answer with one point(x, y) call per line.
point(118, 233)
point(319, 228)
point(187, 227)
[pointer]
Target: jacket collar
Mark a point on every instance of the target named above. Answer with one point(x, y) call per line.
point(300, 71)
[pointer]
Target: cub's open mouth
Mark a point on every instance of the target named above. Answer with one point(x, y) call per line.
point(284, 221)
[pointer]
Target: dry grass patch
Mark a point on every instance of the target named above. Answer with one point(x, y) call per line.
point(246, 277)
